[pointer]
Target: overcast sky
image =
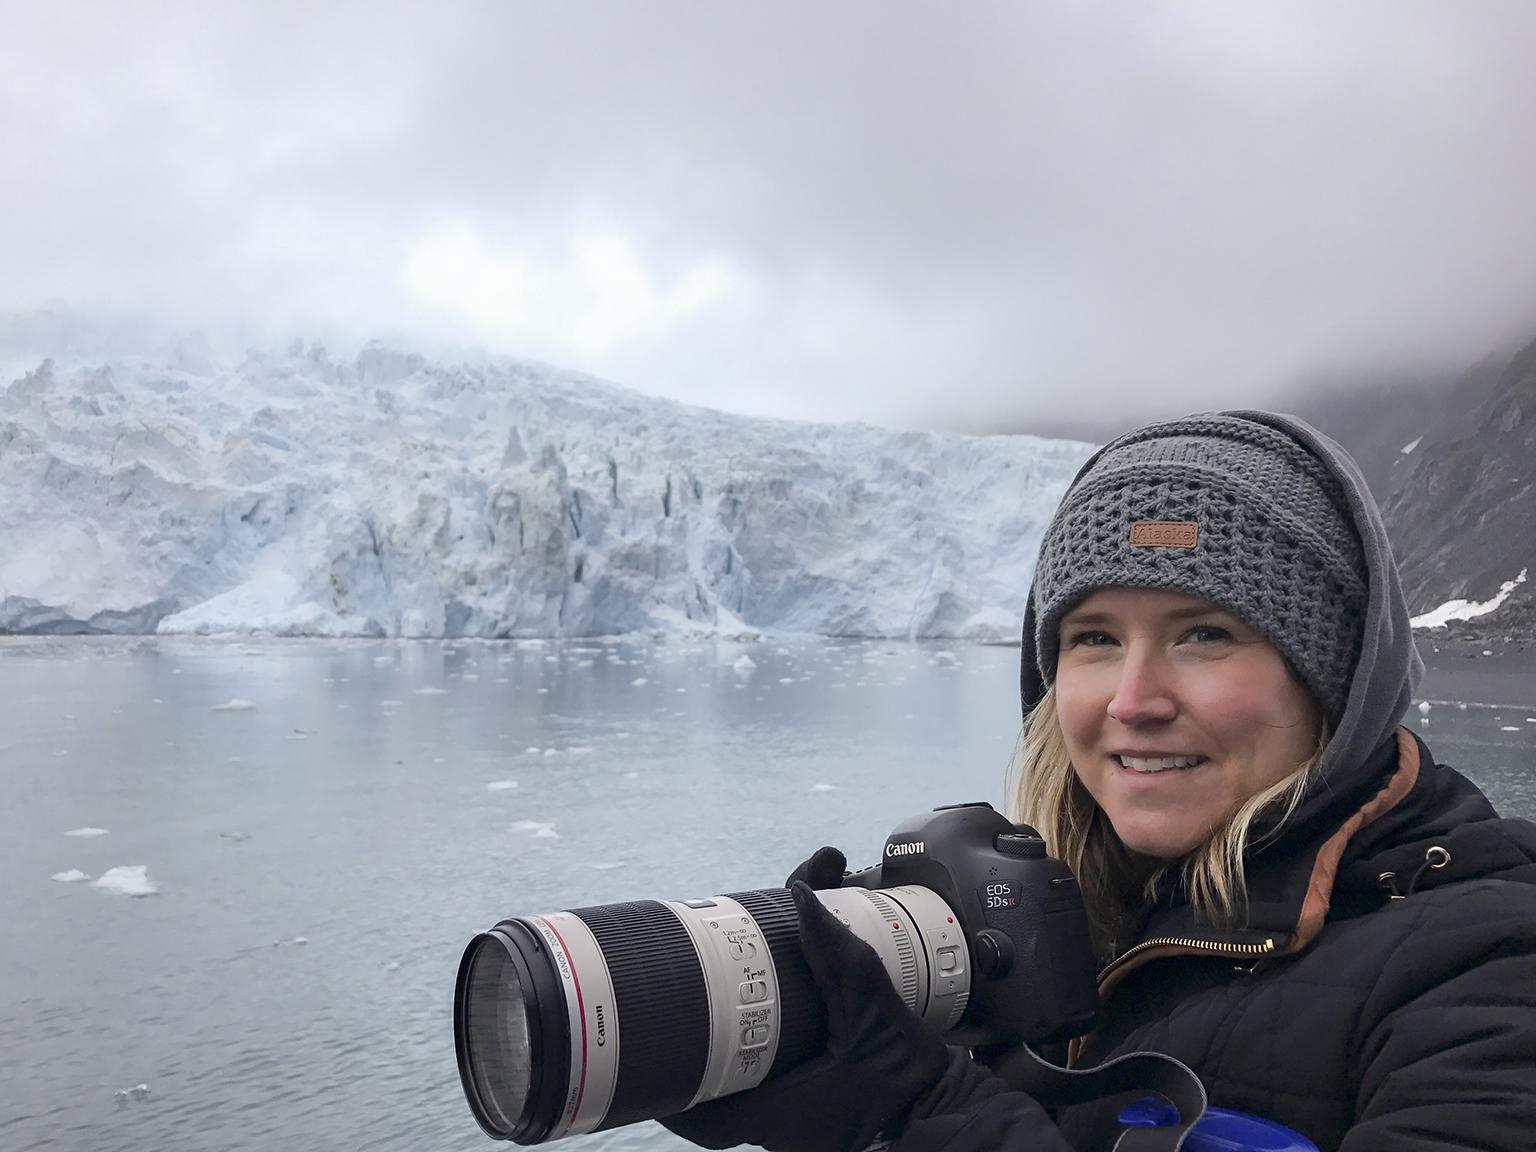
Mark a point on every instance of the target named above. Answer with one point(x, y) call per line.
point(925, 215)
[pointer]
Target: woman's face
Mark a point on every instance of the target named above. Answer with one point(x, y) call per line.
point(1175, 712)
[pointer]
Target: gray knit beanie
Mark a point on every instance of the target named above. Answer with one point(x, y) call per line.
point(1226, 509)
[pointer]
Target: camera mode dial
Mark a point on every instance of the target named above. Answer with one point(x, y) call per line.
point(1014, 844)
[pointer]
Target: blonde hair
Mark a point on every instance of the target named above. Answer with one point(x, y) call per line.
point(1050, 797)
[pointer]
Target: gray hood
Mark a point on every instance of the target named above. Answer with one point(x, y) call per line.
point(1388, 671)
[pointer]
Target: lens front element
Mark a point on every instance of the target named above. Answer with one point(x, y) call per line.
point(497, 1007)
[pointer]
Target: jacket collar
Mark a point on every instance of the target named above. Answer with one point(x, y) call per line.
point(1291, 878)
point(1387, 827)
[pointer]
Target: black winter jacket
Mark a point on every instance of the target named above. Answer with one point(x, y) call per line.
point(1383, 998)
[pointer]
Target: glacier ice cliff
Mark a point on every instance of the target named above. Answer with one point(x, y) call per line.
point(386, 495)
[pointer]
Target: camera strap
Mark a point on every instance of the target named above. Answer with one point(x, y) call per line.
point(1107, 1088)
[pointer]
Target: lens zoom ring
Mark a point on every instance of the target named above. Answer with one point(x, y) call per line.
point(802, 1015)
point(662, 1007)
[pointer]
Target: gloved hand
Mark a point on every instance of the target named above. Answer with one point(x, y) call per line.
point(880, 1065)
point(825, 869)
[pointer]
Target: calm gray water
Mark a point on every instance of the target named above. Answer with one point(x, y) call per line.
point(352, 809)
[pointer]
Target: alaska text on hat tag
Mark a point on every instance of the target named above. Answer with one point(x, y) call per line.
point(1165, 534)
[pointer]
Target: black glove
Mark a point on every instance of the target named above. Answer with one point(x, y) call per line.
point(880, 1065)
point(825, 869)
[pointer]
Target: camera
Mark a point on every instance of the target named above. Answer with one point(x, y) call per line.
point(592, 1018)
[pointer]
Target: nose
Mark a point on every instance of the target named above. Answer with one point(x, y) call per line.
point(1143, 693)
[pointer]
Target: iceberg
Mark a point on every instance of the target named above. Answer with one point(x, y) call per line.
point(385, 495)
point(127, 880)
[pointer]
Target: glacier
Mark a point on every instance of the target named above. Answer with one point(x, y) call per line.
point(385, 495)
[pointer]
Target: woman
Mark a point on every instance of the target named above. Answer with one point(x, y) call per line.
point(1289, 895)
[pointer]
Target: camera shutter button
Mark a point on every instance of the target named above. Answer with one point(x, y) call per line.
point(994, 953)
point(1012, 844)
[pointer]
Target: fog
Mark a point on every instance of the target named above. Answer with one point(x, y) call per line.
point(973, 217)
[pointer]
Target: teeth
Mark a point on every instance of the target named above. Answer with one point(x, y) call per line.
point(1159, 763)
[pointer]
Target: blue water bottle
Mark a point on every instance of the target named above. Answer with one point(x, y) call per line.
point(1219, 1129)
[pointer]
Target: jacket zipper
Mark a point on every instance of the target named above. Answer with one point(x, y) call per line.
point(1191, 947)
point(1198, 947)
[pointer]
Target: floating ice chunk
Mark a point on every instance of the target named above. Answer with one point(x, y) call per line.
point(1487, 652)
point(540, 829)
point(127, 880)
point(137, 1092)
point(823, 787)
point(604, 865)
point(235, 705)
point(87, 832)
point(392, 966)
point(786, 679)
point(389, 703)
point(1424, 708)
point(1511, 728)
point(237, 837)
point(744, 665)
point(501, 785)
point(1411, 445)
point(301, 940)
point(638, 681)
point(70, 877)
point(431, 692)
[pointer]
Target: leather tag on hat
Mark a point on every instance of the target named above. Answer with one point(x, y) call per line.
point(1165, 534)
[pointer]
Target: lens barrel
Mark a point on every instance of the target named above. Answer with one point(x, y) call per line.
point(592, 1018)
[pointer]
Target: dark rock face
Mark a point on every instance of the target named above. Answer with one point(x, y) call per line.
point(1460, 506)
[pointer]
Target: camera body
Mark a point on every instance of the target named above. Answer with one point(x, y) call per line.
point(1020, 911)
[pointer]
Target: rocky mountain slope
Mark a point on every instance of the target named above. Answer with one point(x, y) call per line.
point(1454, 469)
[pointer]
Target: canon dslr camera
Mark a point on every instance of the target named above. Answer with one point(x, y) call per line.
point(592, 1018)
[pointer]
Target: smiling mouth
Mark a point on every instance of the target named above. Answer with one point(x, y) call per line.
point(1147, 765)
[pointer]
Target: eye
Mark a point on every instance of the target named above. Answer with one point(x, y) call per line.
point(1088, 638)
point(1208, 634)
